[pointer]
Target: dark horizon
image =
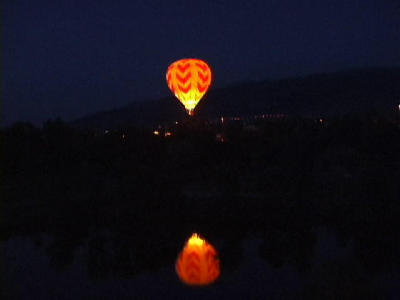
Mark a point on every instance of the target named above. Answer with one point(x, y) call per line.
point(227, 86)
point(71, 58)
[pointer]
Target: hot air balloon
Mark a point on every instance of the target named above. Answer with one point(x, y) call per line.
point(198, 263)
point(189, 79)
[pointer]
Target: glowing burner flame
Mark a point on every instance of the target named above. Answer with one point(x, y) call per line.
point(195, 239)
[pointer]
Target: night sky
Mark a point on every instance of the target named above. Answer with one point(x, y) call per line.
point(68, 58)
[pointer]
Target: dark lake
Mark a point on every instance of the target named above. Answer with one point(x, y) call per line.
point(333, 269)
point(297, 209)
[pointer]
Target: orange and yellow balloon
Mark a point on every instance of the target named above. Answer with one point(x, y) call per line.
point(189, 79)
point(198, 263)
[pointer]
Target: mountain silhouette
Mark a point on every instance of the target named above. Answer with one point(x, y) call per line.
point(317, 95)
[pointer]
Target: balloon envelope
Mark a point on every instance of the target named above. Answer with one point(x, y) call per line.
point(189, 79)
point(198, 263)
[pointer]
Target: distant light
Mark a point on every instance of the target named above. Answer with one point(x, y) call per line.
point(321, 120)
point(156, 132)
point(220, 137)
point(168, 133)
point(222, 119)
point(106, 131)
point(123, 135)
point(176, 122)
point(399, 107)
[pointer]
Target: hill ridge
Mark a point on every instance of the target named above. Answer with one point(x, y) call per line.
point(314, 95)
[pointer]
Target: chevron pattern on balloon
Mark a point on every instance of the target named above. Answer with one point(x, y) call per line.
point(189, 79)
point(198, 263)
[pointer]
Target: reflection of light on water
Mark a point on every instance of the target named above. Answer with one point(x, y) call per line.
point(28, 265)
point(35, 273)
point(195, 240)
point(220, 138)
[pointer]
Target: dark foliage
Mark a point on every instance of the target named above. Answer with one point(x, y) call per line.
point(134, 197)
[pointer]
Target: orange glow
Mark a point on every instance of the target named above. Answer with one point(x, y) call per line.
point(156, 132)
point(198, 262)
point(189, 79)
point(168, 133)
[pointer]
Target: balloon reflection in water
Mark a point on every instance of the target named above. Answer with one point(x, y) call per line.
point(198, 262)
